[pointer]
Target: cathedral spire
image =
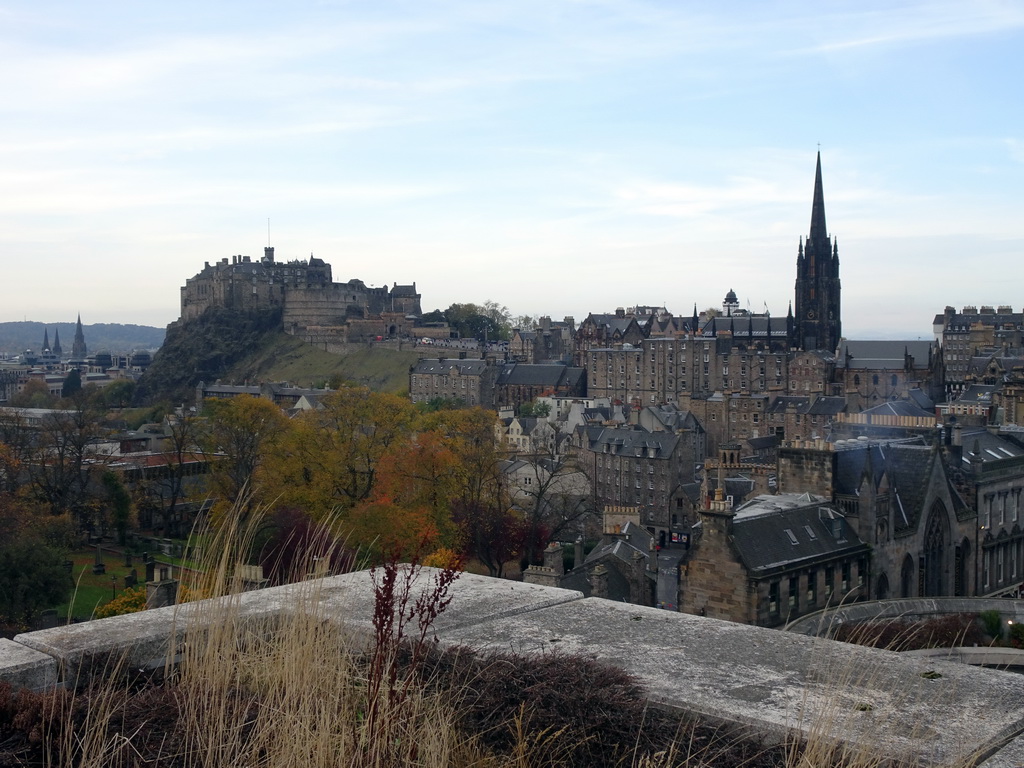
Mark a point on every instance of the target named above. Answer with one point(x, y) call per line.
point(78, 348)
point(819, 232)
point(46, 340)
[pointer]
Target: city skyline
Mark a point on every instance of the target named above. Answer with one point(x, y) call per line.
point(558, 158)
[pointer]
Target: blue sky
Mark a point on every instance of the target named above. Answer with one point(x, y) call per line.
point(559, 157)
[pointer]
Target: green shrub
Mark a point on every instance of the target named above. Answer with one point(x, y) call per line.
point(992, 621)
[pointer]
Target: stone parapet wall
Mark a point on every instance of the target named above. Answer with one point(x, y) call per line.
point(771, 681)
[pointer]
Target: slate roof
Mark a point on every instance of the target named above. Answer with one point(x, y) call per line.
point(745, 326)
point(899, 408)
point(612, 322)
point(826, 405)
point(982, 444)
point(979, 364)
point(554, 376)
point(763, 443)
point(880, 354)
point(447, 364)
point(921, 400)
point(624, 441)
point(777, 533)
point(980, 394)
point(909, 468)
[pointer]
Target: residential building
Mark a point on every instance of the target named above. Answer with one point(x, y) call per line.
point(772, 559)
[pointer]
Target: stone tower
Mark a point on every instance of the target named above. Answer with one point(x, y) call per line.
point(816, 323)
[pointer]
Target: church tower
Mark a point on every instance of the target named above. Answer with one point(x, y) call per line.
point(816, 322)
point(78, 350)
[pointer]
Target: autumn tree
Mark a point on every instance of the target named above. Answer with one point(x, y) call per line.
point(239, 433)
point(490, 529)
point(333, 455)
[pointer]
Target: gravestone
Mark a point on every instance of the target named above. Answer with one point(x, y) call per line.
point(99, 567)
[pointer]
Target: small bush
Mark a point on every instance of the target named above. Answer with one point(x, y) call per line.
point(993, 623)
point(130, 601)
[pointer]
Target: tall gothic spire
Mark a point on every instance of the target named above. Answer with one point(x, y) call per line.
point(815, 322)
point(819, 232)
point(78, 349)
point(46, 340)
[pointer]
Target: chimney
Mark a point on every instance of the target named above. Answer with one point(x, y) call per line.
point(577, 554)
point(599, 582)
point(553, 558)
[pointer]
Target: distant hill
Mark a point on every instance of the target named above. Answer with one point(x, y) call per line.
point(116, 338)
point(249, 347)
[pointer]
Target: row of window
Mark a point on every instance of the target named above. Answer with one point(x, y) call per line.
point(810, 598)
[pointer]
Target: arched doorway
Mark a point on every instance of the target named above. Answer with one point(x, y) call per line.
point(935, 554)
point(907, 577)
point(882, 587)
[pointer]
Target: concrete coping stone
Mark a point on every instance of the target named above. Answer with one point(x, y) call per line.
point(23, 667)
point(145, 639)
point(777, 682)
point(771, 681)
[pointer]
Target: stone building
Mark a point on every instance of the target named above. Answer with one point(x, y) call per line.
point(772, 560)
point(311, 303)
point(672, 368)
point(465, 381)
point(987, 468)
point(973, 332)
point(606, 330)
point(548, 342)
point(519, 383)
point(635, 467)
point(802, 417)
point(874, 371)
point(898, 497)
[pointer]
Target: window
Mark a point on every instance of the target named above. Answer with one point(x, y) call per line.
point(812, 587)
point(773, 598)
point(846, 577)
point(794, 585)
point(830, 577)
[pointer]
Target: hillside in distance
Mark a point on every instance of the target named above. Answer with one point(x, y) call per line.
point(116, 338)
point(249, 348)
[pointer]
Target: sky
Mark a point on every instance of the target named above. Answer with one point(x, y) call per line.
point(559, 157)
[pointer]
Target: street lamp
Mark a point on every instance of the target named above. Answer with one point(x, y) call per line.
point(113, 587)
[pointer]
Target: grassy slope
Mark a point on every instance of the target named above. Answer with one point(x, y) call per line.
point(285, 358)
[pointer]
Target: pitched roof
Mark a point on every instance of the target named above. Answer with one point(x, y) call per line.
point(541, 375)
point(786, 531)
point(446, 365)
point(625, 441)
point(899, 408)
point(878, 354)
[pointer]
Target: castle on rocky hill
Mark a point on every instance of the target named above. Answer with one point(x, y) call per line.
point(312, 305)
